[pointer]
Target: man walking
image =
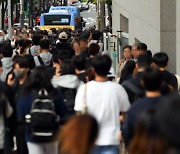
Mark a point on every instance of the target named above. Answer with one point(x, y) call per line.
point(104, 100)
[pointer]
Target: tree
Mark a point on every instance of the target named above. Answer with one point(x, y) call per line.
point(4, 4)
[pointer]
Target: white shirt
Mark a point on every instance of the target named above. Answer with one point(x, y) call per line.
point(105, 100)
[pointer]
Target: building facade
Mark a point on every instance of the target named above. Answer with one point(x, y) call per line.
point(154, 22)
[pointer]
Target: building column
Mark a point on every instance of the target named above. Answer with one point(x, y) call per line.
point(168, 31)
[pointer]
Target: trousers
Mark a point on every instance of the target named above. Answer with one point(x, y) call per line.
point(109, 149)
point(43, 148)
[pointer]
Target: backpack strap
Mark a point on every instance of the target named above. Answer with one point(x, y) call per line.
point(29, 51)
point(40, 60)
point(132, 87)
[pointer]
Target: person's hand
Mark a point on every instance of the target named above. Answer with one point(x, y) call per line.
point(10, 80)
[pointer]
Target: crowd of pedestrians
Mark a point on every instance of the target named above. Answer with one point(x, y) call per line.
point(57, 95)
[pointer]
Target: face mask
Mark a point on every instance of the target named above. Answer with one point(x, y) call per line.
point(19, 74)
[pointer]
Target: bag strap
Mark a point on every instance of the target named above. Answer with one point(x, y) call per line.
point(84, 111)
point(30, 51)
point(40, 60)
point(132, 87)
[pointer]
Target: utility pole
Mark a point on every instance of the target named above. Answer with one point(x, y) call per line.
point(102, 14)
point(9, 20)
point(21, 13)
point(98, 15)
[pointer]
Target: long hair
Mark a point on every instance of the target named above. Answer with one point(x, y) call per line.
point(38, 79)
point(78, 135)
point(147, 138)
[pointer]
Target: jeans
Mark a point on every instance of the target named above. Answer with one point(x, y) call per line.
point(109, 149)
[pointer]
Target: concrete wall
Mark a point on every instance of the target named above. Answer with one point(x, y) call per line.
point(168, 31)
point(178, 37)
point(144, 20)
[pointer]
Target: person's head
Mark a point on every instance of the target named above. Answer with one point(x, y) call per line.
point(44, 44)
point(21, 68)
point(67, 67)
point(45, 34)
point(152, 79)
point(127, 71)
point(127, 52)
point(160, 60)
point(19, 43)
point(36, 39)
point(31, 33)
point(96, 34)
point(38, 79)
point(6, 49)
point(142, 48)
point(63, 37)
point(78, 135)
point(26, 44)
point(64, 54)
point(147, 136)
point(30, 59)
point(134, 51)
point(76, 47)
point(83, 43)
point(79, 62)
point(143, 61)
point(25, 35)
point(101, 65)
point(94, 49)
point(169, 120)
point(149, 53)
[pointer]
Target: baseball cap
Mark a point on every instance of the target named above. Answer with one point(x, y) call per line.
point(63, 36)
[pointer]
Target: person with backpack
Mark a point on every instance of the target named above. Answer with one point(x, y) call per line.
point(152, 80)
point(133, 86)
point(80, 63)
point(42, 108)
point(45, 57)
point(33, 50)
point(68, 83)
point(7, 62)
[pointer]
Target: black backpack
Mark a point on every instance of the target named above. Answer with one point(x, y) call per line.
point(69, 98)
point(42, 120)
point(134, 93)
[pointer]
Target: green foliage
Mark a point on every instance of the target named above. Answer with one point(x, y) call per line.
point(109, 2)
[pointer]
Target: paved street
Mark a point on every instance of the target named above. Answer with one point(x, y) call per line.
point(89, 16)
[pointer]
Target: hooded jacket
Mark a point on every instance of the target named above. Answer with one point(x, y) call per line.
point(33, 50)
point(67, 81)
point(7, 67)
point(46, 58)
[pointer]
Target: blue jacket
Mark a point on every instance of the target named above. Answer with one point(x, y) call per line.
point(24, 107)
